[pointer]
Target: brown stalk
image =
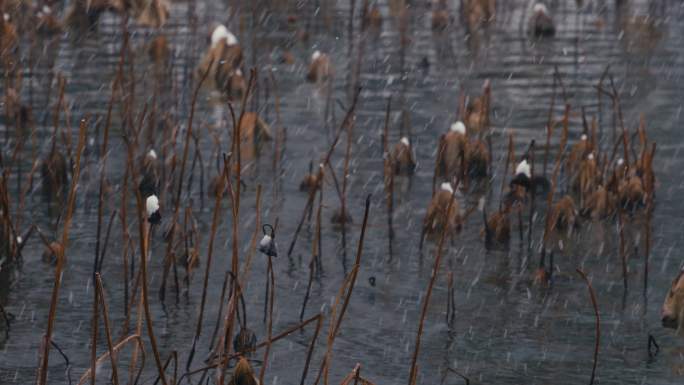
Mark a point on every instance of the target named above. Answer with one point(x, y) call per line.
point(336, 183)
point(115, 349)
point(247, 264)
point(186, 148)
point(210, 252)
point(355, 375)
point(66, 134)
point(277, 142)
point(319, 321)
point(235, 195)
point(126, 239)
point(426, 301)
point(42, 373)
point(108, 233)
point(357, 265)
point(438, 160)
point(647, 254)
point(560, 82)
point(220, 309)
point(215, 350)
point(510, 158)
point(127, 314)
point(100, 209)
point(451, 299)
point(388, 171)
point(235, 202)
point(532, 198)
point(344, 216)
point(191, 238)
point(269, 327)
point(617, 115)
point(556, 170)
point(323, 371)
point(94, 321)
point(227, 334)
point(27, 188)
point(145, 232)
point(105, 143)
point(172, 357)
point(55, 132)
point(138, 325)
point(278, 337)
point(649, 215)
point(623, 254)
point(145, 239)
point(549, 125)
point(450, 370)
point(315, 250)
point(235, 287)
point(356, 74)
point(325, 162)
point(594, 138)
point(197, 160)
point(600, 103)
point(42, 369)
point(598, 324)
point(350, 280)
point(131, 82)
point(99, 288)
point(350, 36)
point(618, 110)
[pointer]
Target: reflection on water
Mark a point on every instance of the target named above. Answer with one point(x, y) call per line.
point(506, 329)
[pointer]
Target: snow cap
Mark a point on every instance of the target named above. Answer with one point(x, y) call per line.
point(152, 205)
point(220, 33)
point(523, 168)
point(446, 186)
point(459, 127)
point(540, 8)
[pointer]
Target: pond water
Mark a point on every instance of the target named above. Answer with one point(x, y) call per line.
point(506, 330)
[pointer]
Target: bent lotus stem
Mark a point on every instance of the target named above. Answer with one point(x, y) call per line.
point(598, 323)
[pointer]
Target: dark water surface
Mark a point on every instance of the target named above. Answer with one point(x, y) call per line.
point(507, 330)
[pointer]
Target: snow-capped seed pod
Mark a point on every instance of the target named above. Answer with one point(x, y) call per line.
point(267, 245)
point(320, 67)
point(541, 23)
point(152, 208)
